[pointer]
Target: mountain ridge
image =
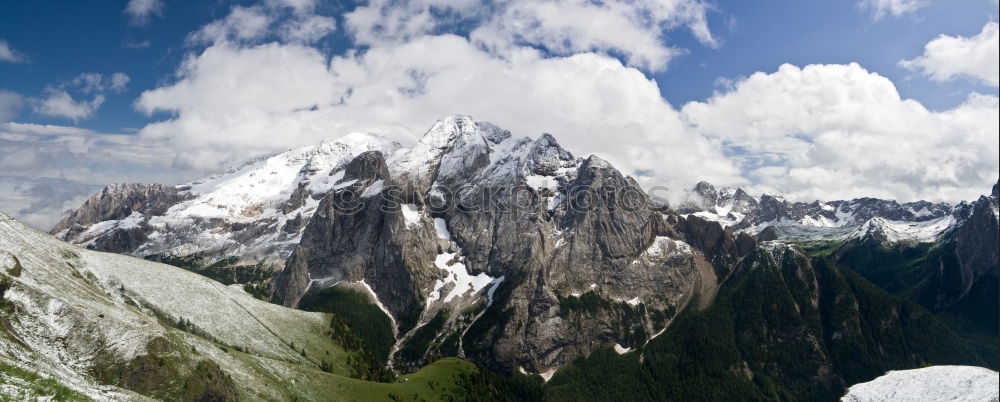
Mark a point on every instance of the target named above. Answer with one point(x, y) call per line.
point(509, 251)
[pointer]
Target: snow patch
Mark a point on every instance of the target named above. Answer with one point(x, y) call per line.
point(441, 227)
point(410, 214)
point(538, 181)
point(621, 350)
point(374, 189)
point(379, 303)
point(343, 185)
point(665, 246)
point(493, 288)
point(459, 276)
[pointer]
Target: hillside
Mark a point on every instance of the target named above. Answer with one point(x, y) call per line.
point(81, 324)
point(783, 327)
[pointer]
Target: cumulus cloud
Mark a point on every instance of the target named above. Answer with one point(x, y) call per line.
point(400, 90)
point(8, 53)
point(949, 57)
point(10, 105)
point(812, 132)
point(288, 20)
point(140, 11)
point(631, 28)
point(840, 131)
point(59, 103)
point(895, 8)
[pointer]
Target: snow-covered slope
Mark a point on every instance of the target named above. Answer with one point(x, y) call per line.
point(936, 383)
point(253, 211)
point(82, 317)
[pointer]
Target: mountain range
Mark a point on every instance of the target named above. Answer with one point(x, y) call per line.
point(518, 256)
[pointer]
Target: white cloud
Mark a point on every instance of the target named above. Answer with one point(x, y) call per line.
point(140, 11)
point(287, 95)
point(242, 23)
point(300, 7)
point(59, 103)
point(840, 131)
point(97, 83)
point(82, 155)
point(632, 28)
point(8, 53)
point(880, 8)
point(46, 169)
point(948, 57)
point(255, 23)
point(308, 29)
point(10, 105)
point(812, 132)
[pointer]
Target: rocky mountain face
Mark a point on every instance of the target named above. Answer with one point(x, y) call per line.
point(126, 205)
point(942, 256)
point(506, 250)
point(511, 252)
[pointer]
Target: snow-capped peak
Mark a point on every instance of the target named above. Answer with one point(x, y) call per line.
point(446, 130)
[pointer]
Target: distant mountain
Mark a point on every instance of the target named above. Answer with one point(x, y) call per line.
point(942, 256)
point(783, 326)
point(919, 221)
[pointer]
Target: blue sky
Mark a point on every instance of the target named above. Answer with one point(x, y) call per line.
point(62, 39)
point(801, 98)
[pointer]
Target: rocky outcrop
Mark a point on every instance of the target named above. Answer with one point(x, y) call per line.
point(117, 202)
point(358, 233)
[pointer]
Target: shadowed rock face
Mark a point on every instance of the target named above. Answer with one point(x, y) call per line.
point(356, 234)
point(569, 254)
point(117, 202)
point(964, 275)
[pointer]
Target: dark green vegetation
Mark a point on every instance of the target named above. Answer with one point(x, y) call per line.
point(364, 365)
point(253, 277)
point(354, 310)
point(417, 345)
point(164, 373)
point(626, 316)
point(786, 328)
point(448, 379)
point(916, 272)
